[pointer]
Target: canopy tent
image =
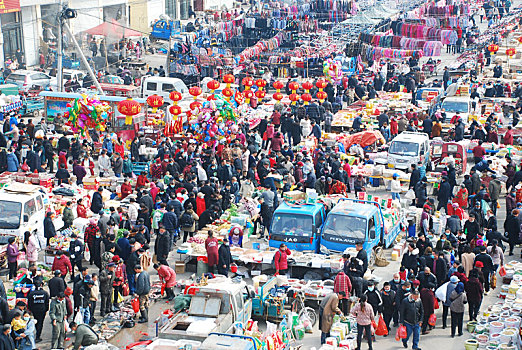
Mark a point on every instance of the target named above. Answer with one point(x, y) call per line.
point(113, 29)
point(363, 139)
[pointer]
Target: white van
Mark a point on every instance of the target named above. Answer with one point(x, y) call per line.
point(408, 148)
point(22, 208)
point(161, 86)
point(452, 105)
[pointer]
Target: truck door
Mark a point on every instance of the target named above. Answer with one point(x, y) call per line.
point(239, 311)
point(318, 224)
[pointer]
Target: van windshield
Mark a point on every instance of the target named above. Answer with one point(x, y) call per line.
point(10, 213)
point(455, 106)
point(403, 148)
point(344, 228)
point(292, 225)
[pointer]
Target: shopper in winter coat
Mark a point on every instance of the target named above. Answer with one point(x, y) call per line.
point(512, 227)
point(428, 302)
point(475, 294)
point(458, 300)
point(62, 263)
point(106, 280)
point(496, 253)
point(454, 280)
point(225, 258)
point(364, 315)
point(32, 248)
point(281, 259)
point(374, 298)
point(168, 278)
point(388, 303)
point(212, 247)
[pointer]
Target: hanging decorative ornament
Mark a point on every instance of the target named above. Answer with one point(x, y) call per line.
point(294, 98)
point(307, 86)
point(195, 91)
point(278, 85)
point(260, 94)
point(306, 98)
point(175, 110)
point(247, 83)
point(155, 102)
point(322, 95)
point(493, 48)
point(278, 97)
point(129, 108)
point(228, 93)
point(511, 52)
point(212, 86)
point(294, 86)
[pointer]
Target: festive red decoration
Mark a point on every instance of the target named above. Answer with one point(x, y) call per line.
point(294, 97)
point(307, 85)
point(278, 85)
point(277, 96)
point(493, 48)
point(511, 52)
point(376, 112)
point(247, 81)
point(175, 96)
point(321, 95)
point(239, 98)
point(175, 110)
point(261, 83)
point(321, 84)
point(260, 94)
point(248, 93)
point(520, 39)
point(306, 97)
point(294, 85)
point(195, 104)
point(213, 85)
point(129, 108)
point(228, 92)
point(229, 79)
point(155, 101)
point(195, 91)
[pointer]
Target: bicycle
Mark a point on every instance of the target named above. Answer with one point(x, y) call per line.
point(298, 306)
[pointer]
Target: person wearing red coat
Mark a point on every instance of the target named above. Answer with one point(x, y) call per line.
point(428, 303)
point(126, 189)
point(62, 159)
point(200, 204)
point(338, 188)
point(508, 136)
point(142, 180)
point(281, 259)
point(212, 247)
point(62, 263)
point(394, 127)
point(462, 197)
point(168, 278)
point(119, 148)
point(81, 210)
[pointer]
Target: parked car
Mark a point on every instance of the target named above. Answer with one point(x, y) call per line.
point(26, 79)
point(111, 79)
point(68, 74)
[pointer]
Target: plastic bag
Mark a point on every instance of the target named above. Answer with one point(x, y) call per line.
point(410, 194)
point(493, 281)
point(271, 328)
point(502, 272)
point(135, 305)
point(126, 290)
point(306, 322)
point(436, 304)
point(402, 333)
point(87, 253)
point(374, 327)
point(78, 319)
point(440, 293)
point(432, 320)
point(381, 329)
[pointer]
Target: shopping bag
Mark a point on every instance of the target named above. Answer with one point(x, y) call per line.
point(502, 271)
point(436, 304)
point(135, 305)
point(432, 320)
point(126, 290)
point(402, 333)
point(78, 319)
point(374, 327)
point(86, 254)
point(410, 194)
point(162, 288)
point(493, 281)
point(381, 327)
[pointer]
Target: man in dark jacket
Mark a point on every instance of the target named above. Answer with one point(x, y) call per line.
point(106, 280)
point(76, 251)
point(444, 194)
point(142, 290)
point(224, 258)
point(97, 201)
point(362, 256)
point(161, 248)
point(49, 229)
point(459, 131)
point(130, 263)
point(410, 259)
point(170, 222)
point(415, 175)
point(471, 228)
point(427, 279)
point(38, 304)
point(6, 341)
point(388, 304)
point(512, 227)
point(411, 314)
point(441, 269)
point(453, 224)
point(488, 266)
point(56, 284)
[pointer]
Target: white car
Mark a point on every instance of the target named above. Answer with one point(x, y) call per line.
point(26, 79)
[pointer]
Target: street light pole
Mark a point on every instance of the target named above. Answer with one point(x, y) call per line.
point(59, 50)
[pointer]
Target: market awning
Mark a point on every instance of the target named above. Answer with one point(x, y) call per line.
point(113, 29)
point(363, 139)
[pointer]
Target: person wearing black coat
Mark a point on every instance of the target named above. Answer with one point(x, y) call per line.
point(224, 258)
point(131, 262)
point(56, 285)
point(488, 268)
point(512, 227)
point(427, 279)
point(161, 248)
point(410, 259)
point(441, 270)
point(421, 193)
point(206, 218)
point(362, 256)
point(415, 176)
point(38, 304)
point(4, 309)
point(49, 229)
point(374, 298)
point(388, 304)
point(444, 194)
point(472, 228)
point(97, 201)
point(6, 341)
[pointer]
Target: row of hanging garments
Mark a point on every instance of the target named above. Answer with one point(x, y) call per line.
point(376, 53)
point(416, 31)
point(263, 45)
point(448, 10)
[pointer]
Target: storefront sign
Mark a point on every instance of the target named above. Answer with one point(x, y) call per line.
point(8, 6)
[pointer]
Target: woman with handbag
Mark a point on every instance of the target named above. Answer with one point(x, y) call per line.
point(364, 316)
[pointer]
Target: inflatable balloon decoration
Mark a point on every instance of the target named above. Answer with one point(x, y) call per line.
point(87, 113)
point(332, 71)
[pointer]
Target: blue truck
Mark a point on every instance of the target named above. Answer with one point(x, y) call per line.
point(354, 221)
point(298, 226)
point(164, 29)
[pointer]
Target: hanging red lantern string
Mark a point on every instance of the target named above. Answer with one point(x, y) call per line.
point(247, 83)
point(129, 108)
point(278, 97)
point(155, 102)
point(195, 91)
point(212, 86)
point(278, 85)
point(294, 86)
point(493, 48)
point(511, 52)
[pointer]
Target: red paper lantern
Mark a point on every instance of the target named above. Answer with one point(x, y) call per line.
point(239, 98)
point(228, 92)
point(248, 93)
point(260, 83)
point(307, 85)
point(195, 91)
point(175, 110)
point(493, 48)
point(195, 104)
point(277, 96)
point(278, 85)
point(247, 81)
point(511, 52)
point(306, 97)
point(294, 85)
point(229, 79)
point(520, 39)
point(321, 84)
point(260, 94)
point(129, 108)
point(213, 85)
point(294, 97)
point(321, 95)
point(155, 101)
point(175, 96)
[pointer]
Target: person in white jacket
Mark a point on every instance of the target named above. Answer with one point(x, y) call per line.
point(104, 163)
point(396, 187)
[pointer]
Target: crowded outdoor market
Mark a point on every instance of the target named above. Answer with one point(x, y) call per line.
point(277, 175)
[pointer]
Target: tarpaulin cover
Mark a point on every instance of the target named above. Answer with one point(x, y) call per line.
point(363, 138)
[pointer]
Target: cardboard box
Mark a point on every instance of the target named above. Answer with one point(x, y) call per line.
point(179, 267)
point(294, 196)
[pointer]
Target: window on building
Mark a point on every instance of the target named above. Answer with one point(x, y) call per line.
point(171, 9)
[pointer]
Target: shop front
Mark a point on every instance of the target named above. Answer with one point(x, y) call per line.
point(12, 31)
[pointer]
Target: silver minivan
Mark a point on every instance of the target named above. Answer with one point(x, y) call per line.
point(26, 79)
